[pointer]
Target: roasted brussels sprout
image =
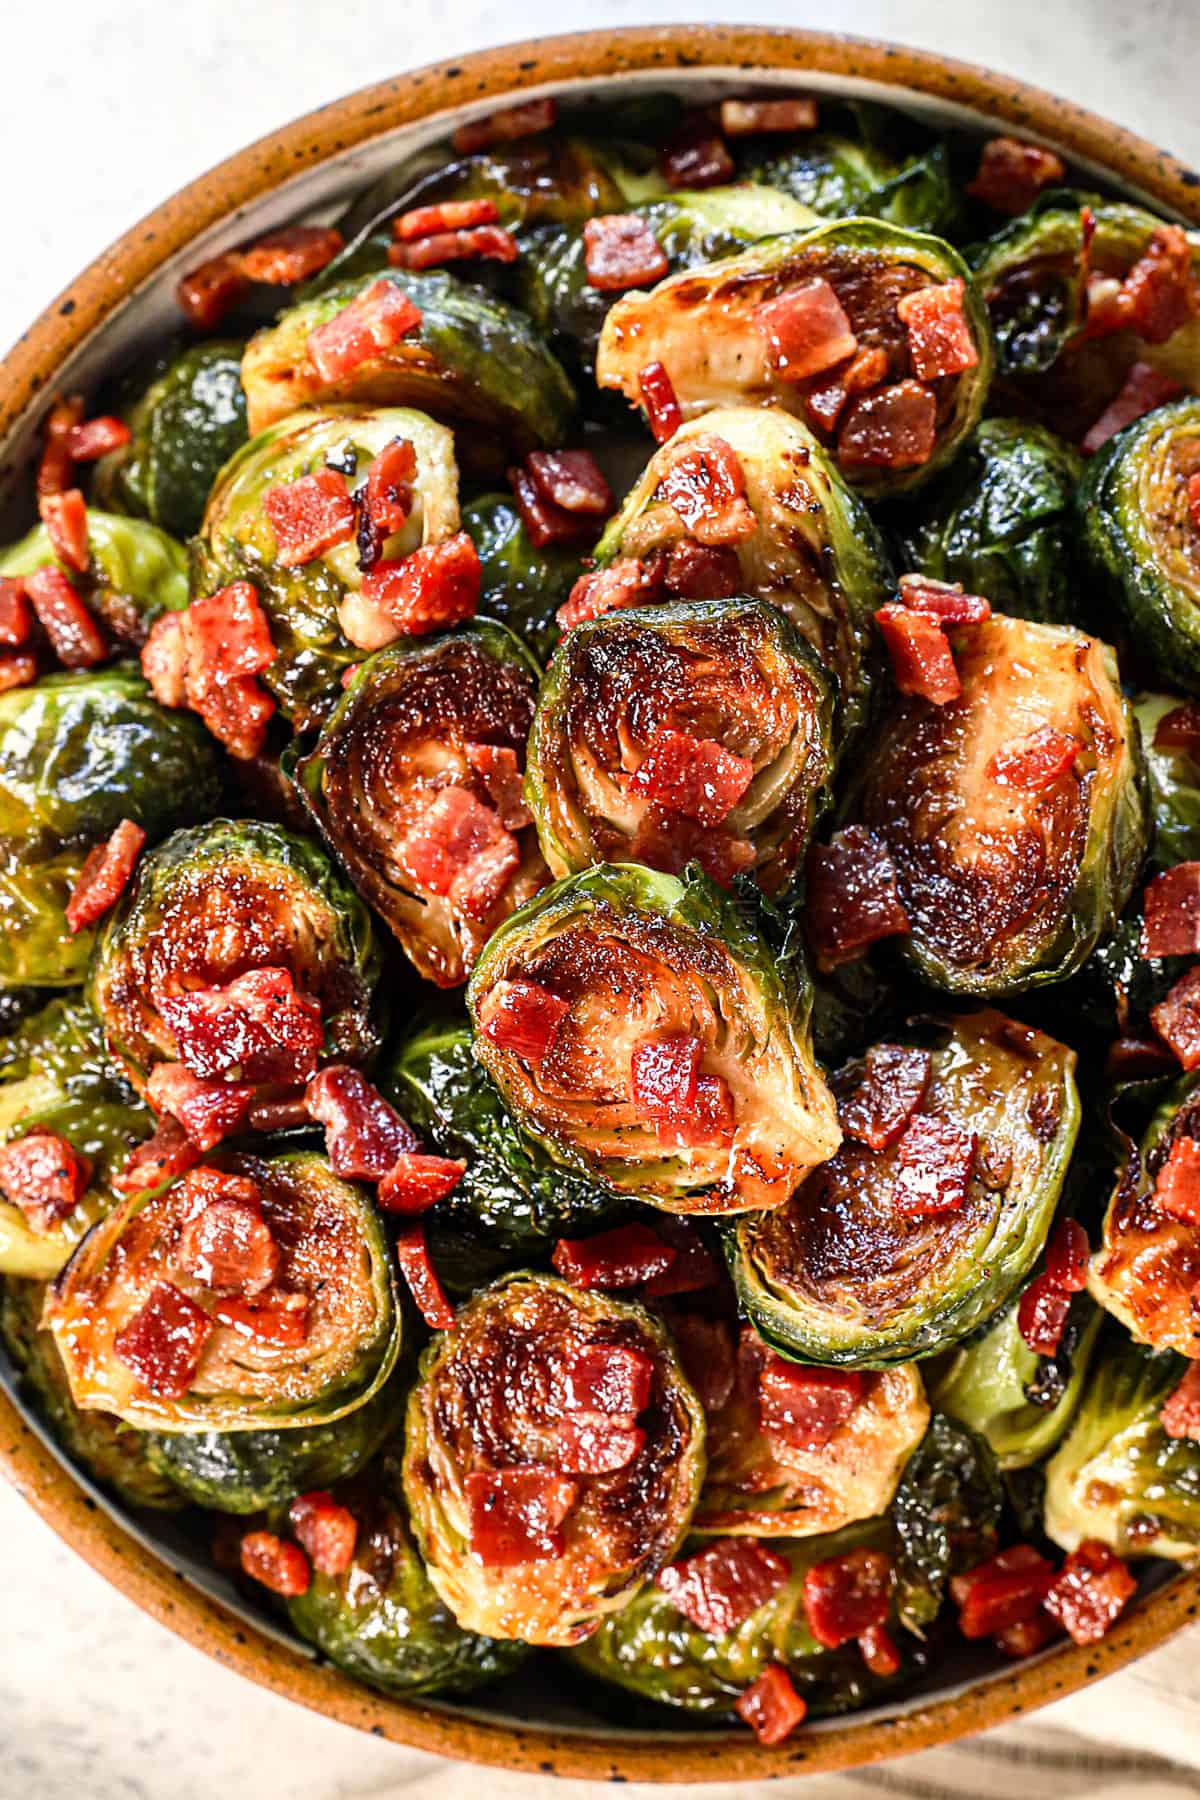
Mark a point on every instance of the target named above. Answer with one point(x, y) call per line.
point(523, 585)
point(55, 1076)
point(111, 1453)
point(761, 1481)
point(731, 332)
point(946, 1513)
point(1117, 1476)
point(314, 608)
point(872, 173)
point(473, 361)
point(699, 729)
point(415, 782)
point(79, 753)
point(151, 1327)
point(1173, 776)
point(581, 999)
point(1139, 537)
point(136, 571)
point(1001, 522)
point(888, 1255)
point(186, 424)
point(513, 1192)
point(813, 552)
point(1011, 863)
point(521, 1537)
point(216, 903)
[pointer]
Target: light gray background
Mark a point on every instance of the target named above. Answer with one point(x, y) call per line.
point(107, 108)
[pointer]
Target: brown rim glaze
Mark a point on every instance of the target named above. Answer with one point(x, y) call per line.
point(30, 371)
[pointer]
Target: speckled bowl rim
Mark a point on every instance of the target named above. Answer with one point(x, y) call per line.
point(31, 370)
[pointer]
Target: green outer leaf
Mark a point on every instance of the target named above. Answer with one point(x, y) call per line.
point(946, 1512)
point(1174, 782)
point(839, 177)
point(133, 560)
point(522, 586)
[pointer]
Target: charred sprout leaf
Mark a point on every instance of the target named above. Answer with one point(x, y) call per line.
point(490, 1397)
point(630, 954)
point(841, 176)
point(839, 1276)
point(333, 1252)
point(1174, 781)
point(306, 604)
point(1009, 885)
point(522, 586)
point(946, 1514)
point(852, 1005)
point(1115, 989)
point(733, 673)
point(137, 572)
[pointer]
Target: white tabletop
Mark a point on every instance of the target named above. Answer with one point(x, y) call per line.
point(109, 105)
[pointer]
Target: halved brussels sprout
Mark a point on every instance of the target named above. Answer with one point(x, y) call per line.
point(617, 959)
point(112, 1453)
point(1139, 537)
point(310, 606)
point(840, 1275)
point(1001, 521)
point(1117, 1475)
point(701, 325)
point(760, 1483)
point(186, 424)
point(733, 673)
point(79, 752)
point(474, 362)
point(55, 1076)
point(946, 1514)
point(215, 902)
point(523, 585)
point(1009, 881)
point(814, 551)
point(381, 1620)
point(136, 572)
point(513, 1193)
point(545, 1566)
point(1173, 778)
point(880, 172)
point(403, 782)
point(123, 1344)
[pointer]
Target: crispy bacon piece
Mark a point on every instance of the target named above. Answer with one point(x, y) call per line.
point(309, 516)
point(695, 156)
point(517, 1514)
point(829, 394)
point(806, 330)
point(56, 467)
point(486, 243)
point(364, 1135)
point(280, 1567)
point(415, 1182)
point(663, 1072)
point(449, 215)
point(1193, 499)
point(104, 875)
point(209, 658)
point(65, 518)
point(505, 126)
point(1157, 292)
point(846, 1595)
point(389, 496)
point(16, 615)
point(275, 1317)
point(1171, 912)
point(806, 1407)
point(1177, 1184)
point(1179, 729)
point(1027, 1637)
point(751, 118)
point(891, 428)
point(1006, 1590)
point(164, 660)
point(458, 850)
point(1137, 1059)
point(702, 571)
point(706, 1349)
point(572, 480)
point(1093, 1588)
point(166, 1155)
point(621, 1258)
point(696, 777)
point(258, 1025)
point(416, 1266)
point(922, 661)
point(1042, 1315)
point(17, 671)
point(695, 1266)
point(852, 899)
point(663, 412)
point(626, 582)
point(939, 336)
point(90, 440)
point(943, 600)
point(590, 1444)
point(1145, 387)
point(523, 1018)
point(879, 1651)
point(608, 1378)
point(711, 1120)
point(545, 522)
point(620, 251)
point(327, 1531)
point(1067, 1256)
point(211, 290)
point(162, 1343)
point(718, 1588)
point(706, 487)
point(226, 1243)
point(500, 771)
point(295, 253)
point(934, 1160)
point(1181, 1414)
point(1011, 175)
point(893, 1086)
point(75, 637)
point(207, 1110)
point(1177, 1019)
point(44, 1176)
point(376, 321)
point(1035, 762)
point(771, 1706)
point(433, 589)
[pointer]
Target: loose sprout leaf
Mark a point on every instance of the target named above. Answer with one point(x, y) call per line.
point(947, 1512)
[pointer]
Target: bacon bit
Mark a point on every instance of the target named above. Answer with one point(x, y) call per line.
point(608, 1378)
point(164, 660)
point(806, 330)
point(1036, 762)
point(1171, 912)
point(1177, 1019)
point(1042, 1315)
point(280, 1567)
point(719, 1587)
point(163, 1157)
point(277, 1318)
point(1027, 1637)
point(1006, 1590)
point(207, 1110)
point(545, 522)
point(663, 1073)
point(450, 215)
point(934, 1159)
point(1145, 387)
point(522, 1018)
point(458, 850)
point(517, 1515)
point(327, 1531)
point(364, 1136)
point(89, 442)
point(771, 1706)
point(879, 1651)
point(1177, 1184)
point(17, 671)
point(846, 1595)
point(627, 582)
point(825, 401)
point(416, 1266)
point(433, 589)
point(706, 1349)
point(939, 337)
point(56, 469)
point(1137, 1059)
point(695, 156)
point(663, 412)
point(943, 600)
point(694, 1268)
point(922, 661)
point(620, 251)
point(1181, 1414)
point(621, 1258)
point(500, 771)
point(16, 616)
point(712, 1121)
point(893, 1086)
point(163, 1341)
point(389, 495)
point(212, 290)
point(705, 485)
point(505, 126)
point(695, 777)
point(1011, 174)
point(892, 428)
point(1093, 1588)
point(208, 658)
point(74, 635)
point(572, 480)
point(45, 1176)
point(416, 1182)
point(751, 118)
point(296, 253)
point(589, 1444)
point(1193, 499)
point(228, 1245)
point(852, 898)
point(806, 1407)
point(702, 571)
point(104, 876)
point(373, 323)
point(258, 1027)
point(309, 516)
point(1179, 729)
point(1157, 292)
point(279, 1112)
point(65, 518)
point(488, 243)
point(1067, 1256)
